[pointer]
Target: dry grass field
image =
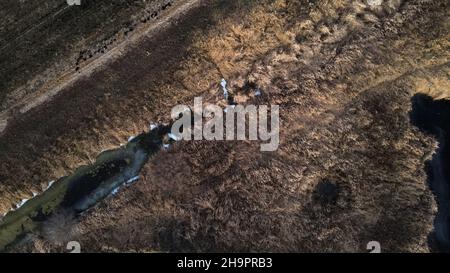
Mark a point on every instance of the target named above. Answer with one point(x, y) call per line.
point(350, 166)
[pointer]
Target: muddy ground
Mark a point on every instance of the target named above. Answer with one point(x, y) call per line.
point(350, 167)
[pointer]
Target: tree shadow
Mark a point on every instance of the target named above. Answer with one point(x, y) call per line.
point(433, 117)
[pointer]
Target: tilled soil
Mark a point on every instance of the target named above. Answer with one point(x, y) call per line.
point(43, 44)
point(350, 167)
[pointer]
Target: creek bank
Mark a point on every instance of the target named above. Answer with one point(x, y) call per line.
point(86, 186)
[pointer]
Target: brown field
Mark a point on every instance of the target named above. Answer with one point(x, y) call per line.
point(343, 73)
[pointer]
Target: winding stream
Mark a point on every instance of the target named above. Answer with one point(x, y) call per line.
point(85, 187)
point(90, 184)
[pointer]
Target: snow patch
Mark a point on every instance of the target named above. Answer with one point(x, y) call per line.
point(50, 184)
point(21, 203)
point(153, 126)
point(132, 180)
point(115, 191)
point(224, 83)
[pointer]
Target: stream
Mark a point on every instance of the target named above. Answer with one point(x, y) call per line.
point(85, 187)
point(112, 169)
